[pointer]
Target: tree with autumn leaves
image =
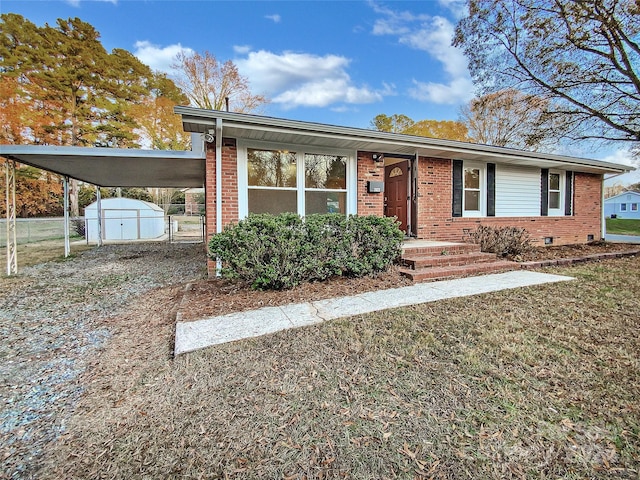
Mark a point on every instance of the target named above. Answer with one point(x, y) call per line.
point(60, 86)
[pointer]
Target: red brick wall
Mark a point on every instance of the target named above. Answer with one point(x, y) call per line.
point(434, 201)
point(368, 170)
point(229, 189)
point(436, 223)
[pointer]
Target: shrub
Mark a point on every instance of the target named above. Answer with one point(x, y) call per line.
point(78, 226)
point(281, 251)
point(503, 241)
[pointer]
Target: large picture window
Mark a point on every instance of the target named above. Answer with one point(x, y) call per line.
point(280, 180)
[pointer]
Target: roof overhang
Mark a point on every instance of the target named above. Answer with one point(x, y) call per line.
point(114, 167)
point(293, 132)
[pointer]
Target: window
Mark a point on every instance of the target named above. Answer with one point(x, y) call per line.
point(623, 207)
point(554, 191)
point(634, 207)
point(277, 178)
point(325, 181)
point(473, 185)
point(272, 181)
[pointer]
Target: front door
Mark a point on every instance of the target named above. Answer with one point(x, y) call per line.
point(395, 192)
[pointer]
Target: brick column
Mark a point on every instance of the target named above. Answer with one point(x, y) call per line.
point(368, 170)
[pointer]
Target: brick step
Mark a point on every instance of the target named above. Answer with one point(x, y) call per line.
point(441, 273)
point(432, 261)
point(456, 249)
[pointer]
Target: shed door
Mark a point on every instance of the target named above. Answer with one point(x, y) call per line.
point(395, 191)
point(121, 224)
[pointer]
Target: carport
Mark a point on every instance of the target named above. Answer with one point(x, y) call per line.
point(102, 167)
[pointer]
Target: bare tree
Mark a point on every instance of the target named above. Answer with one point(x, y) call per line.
point(509, 118)
point(207, 83)
point(582, 56)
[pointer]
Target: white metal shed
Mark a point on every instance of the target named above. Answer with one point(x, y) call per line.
point(125, 219)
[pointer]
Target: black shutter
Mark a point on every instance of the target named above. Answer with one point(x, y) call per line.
point(491, 189)
point(544, 192)
point(568, 194)
point(457, 189)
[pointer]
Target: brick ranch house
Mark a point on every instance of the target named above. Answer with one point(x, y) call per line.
point(438, 189)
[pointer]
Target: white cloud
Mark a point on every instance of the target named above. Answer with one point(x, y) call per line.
point(433, 35)
point(275, 18)
point(158, 58)
point(457, 91)
point(301, 79)
point(242, 49)
point(624, 157)
point(457, 7)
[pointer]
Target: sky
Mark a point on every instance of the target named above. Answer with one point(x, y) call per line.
point(334, 62)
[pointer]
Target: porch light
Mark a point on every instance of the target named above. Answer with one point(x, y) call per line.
point(378, 157)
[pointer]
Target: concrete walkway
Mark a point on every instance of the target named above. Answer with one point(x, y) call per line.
point(192, 336)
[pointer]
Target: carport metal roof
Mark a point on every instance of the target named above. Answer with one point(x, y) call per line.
point(114, 167)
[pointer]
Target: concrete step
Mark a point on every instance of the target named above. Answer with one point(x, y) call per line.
point(453, 249)
point(455, 271)
point(426, 261)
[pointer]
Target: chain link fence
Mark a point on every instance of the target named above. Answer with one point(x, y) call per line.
point(174, 228)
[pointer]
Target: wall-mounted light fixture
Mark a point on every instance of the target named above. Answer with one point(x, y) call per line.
point(209, 137)
point(378, 157)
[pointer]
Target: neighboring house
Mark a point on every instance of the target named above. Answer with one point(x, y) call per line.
point(623, 205)
point(437, 189)
point(192, 197)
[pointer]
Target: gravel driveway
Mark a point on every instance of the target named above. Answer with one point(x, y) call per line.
point(50, 330)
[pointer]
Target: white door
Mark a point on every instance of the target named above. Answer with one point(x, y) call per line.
point(121, 224)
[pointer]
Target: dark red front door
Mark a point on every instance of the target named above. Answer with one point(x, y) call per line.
point(395, 192)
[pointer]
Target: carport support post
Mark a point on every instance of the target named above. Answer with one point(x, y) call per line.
point(10, 198)
point(67, 249)
point(99, 213)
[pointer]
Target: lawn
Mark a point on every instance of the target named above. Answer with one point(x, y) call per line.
point(529, 383)
point(40, 252)
point(622, 226)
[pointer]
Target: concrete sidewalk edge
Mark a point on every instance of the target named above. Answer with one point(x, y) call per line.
point(204, 333)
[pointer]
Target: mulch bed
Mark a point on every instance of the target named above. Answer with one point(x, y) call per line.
point(209, 298)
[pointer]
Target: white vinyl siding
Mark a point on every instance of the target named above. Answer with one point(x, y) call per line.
point(517, 191)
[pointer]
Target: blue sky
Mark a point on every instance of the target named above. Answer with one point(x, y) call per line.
point(336, 62)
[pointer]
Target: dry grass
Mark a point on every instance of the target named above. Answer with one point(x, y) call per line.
point(45, 251)
point(530, 383)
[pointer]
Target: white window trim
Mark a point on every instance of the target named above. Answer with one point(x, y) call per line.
point(483, 190)
point(243, 174)
point(557, 212)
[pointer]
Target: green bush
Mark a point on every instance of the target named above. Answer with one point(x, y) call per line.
point(281, 251)
point(503, 241)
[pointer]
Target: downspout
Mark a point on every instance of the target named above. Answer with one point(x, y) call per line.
point(218, 139)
